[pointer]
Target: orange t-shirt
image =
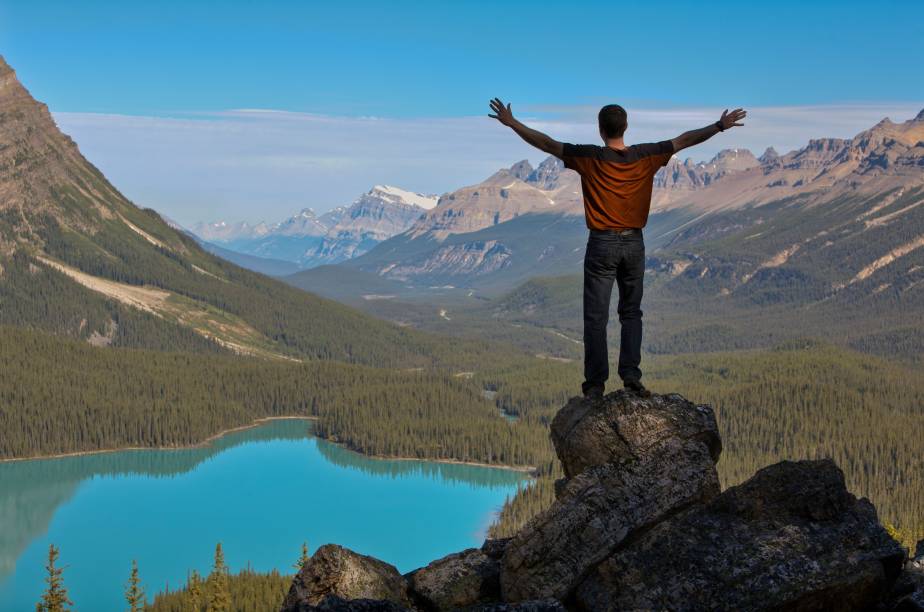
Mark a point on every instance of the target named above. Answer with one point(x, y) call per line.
point(617, 183)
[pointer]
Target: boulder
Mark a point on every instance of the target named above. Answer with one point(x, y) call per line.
point(790, 538)
point(456, 581)
point(597, 511)
point(623, 425)
point(338, 571)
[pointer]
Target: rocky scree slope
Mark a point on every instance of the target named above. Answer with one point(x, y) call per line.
point(640, 523)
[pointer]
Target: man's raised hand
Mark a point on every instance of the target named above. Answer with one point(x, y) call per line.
point(501, 113)
point(730, 119)
point(533, 137)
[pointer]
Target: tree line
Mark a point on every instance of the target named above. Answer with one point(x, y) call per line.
point(219, 591)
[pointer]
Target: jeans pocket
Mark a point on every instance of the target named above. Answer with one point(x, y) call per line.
point(636, 248)
point(598, 249)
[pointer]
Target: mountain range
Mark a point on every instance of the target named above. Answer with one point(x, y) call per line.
point(78, 259)
point(425, 234)
point(307, 240)
point(742, 251)
point(828, 234)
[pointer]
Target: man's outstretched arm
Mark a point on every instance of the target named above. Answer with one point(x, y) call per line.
point(694, 137)
point(536, 138)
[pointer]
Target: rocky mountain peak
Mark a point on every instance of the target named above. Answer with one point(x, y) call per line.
point(885, 122)
point(546, 175)
point(919, 116)
point(303, 223)
point(521, 169)
point(769, 156)
point(380, 213)
point(38, 162)
point(396, 195)
point(732, 159)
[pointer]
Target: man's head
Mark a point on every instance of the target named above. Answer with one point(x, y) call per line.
point(613, 121)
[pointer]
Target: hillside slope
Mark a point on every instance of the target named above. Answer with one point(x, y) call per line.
point(78, 258)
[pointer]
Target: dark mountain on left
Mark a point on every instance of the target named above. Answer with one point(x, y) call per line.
point(79, 259)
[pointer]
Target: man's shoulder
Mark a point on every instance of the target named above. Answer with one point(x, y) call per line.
point(631, 153)
point(579, 150)
point(646, 149)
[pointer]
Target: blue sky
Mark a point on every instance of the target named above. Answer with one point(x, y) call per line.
point(426, 63)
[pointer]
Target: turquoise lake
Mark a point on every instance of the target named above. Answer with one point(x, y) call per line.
point(261, 492)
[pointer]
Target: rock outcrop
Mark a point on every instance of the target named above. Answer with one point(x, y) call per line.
point(790, 538)
point(639, 523)
point(586, 434)
point(458, 580)
point(337, 572)
point(628, 462)
point(597, 511)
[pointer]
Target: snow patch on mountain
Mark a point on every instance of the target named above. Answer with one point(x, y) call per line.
point(393, 193)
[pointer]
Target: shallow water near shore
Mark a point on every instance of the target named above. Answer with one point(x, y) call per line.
point(261, 492)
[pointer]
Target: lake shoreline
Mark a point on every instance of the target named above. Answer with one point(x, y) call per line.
point(530, 470)
point(205, 442)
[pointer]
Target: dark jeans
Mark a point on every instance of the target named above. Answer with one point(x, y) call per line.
point(612, 257)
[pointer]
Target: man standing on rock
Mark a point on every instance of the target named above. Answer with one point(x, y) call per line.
point(616, 181)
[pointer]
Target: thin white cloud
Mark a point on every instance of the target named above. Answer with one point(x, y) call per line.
point(256, 164)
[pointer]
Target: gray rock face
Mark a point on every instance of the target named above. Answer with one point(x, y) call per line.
point(495, 547)
point(790, 538)
point(459, 580)
point(625, 426)
point(597, 510)
point(521, 169)
point(338, 571)
point(547, 174)
point(332, 603)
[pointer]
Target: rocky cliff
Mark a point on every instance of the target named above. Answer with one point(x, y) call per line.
point(640, 523)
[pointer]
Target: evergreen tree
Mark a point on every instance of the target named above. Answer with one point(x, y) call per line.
point(249, 590)
point(218, 592)
point(134, 592)
point(194, 601)
point(303, 559)
point(54, 599)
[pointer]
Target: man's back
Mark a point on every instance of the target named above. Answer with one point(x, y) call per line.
point(616, 183)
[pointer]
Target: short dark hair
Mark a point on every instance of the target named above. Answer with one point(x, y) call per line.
point(612, 120)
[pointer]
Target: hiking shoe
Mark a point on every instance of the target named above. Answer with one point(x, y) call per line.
point(637, 388)
point(594, 393)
